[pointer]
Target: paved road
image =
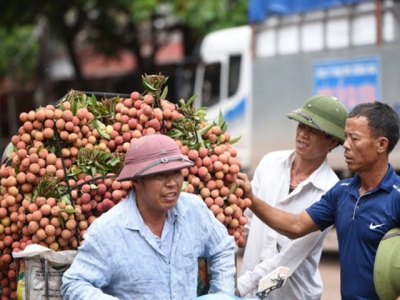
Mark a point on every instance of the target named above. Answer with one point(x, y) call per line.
point(329, 268)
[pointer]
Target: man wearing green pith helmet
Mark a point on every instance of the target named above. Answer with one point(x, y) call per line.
point(292, 180)
point(363, 208)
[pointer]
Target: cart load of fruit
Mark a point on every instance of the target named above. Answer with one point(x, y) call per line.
point(61, 170)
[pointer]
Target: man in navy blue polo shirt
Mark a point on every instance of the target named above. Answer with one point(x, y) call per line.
point(362, 208)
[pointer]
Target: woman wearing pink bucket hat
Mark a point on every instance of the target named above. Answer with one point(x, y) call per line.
point(147, 246)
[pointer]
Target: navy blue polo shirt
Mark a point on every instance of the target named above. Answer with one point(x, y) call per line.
point(360, 222)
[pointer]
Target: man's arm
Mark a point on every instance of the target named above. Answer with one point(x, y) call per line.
point(89, 267)
point(220, 250)
point(291, 225)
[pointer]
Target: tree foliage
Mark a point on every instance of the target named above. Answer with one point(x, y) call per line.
point(15, 53)
point(109, 26)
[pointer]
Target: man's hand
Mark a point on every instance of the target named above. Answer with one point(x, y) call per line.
point(237, 293)
point(245, 185)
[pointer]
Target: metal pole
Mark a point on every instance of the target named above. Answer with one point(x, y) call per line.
point(11, 105)
point(378, 17)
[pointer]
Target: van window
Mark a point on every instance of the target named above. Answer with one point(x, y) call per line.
point(211, 85)
point(234, 74)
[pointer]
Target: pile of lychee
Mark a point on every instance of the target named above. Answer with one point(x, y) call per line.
point(61, 169)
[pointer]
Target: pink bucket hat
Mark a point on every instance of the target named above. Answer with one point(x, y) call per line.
point(150, 154)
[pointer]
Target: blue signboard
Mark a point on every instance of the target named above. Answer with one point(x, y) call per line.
point(352, 81)
point(259, 10)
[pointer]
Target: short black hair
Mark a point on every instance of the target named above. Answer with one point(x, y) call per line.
point(383, 120)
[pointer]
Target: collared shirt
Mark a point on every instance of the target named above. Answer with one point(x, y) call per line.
point(167, 235)
point(120, 257)
point(265, 249)
point(361, 222)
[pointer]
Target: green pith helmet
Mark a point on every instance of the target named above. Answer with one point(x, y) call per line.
point(387, 266)
point(323, 113)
